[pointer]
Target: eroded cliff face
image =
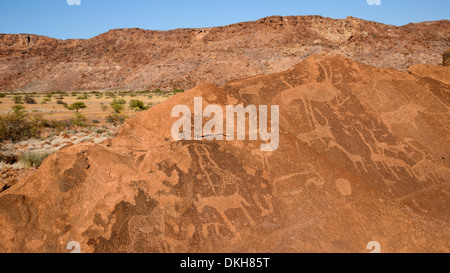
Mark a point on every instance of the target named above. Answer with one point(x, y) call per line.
point(363, 156)
point(145, 59)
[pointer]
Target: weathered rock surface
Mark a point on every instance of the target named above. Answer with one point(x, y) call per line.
point(145, 59)
point(446, 58)
point(363, 157)
point(436, 72)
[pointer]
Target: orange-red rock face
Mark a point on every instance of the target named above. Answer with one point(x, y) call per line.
point(436, 72)
point(446, 58)
point(363, 157)
point(144, 59)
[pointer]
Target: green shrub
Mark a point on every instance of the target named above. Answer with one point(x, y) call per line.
point(57, 125)
point(137, 105)
point(34, 159)
point(95, 121)
point(116, 119)
point(110, 95)
point(79, 120)
point(117, 108)
point(30, 100)
point(99, 131)
point(119, 101)
point(83, 97)
point(17, 99)
point(18, 125)
point(18, 108)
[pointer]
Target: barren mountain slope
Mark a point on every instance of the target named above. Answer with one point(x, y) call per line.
point(363, 157)
point(145, 59)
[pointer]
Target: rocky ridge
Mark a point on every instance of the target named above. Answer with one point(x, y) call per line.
point(145, 59)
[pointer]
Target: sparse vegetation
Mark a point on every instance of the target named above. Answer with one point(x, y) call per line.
point(18, 125)
point(30, 100)
point(83, 97)
point(79, 120)
point(116, 119)
point(18, 99)
point(24, 121)
point(117, 107)
point(17, 108)
point(137, 105)
point(34, 159)
point(110, 95)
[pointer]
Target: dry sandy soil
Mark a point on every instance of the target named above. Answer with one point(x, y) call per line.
point(53, 110)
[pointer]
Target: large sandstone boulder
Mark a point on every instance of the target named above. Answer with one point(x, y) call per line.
point(363, 157)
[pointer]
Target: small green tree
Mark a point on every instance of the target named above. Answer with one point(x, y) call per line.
point(77, 106)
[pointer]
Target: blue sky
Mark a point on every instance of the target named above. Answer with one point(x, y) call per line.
point(55, 18)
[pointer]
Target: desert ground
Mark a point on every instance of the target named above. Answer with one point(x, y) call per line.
point(94, 102)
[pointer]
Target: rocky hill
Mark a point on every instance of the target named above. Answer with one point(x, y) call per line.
point(362, 157)
point(146, 59)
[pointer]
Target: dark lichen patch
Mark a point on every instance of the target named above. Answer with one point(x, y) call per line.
point(73, 176)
